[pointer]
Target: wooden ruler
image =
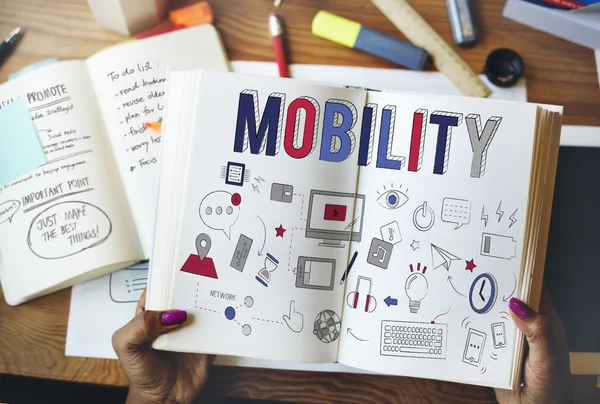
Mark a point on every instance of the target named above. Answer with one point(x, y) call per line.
point(416, 29)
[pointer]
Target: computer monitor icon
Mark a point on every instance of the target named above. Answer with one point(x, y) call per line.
point(335, 217)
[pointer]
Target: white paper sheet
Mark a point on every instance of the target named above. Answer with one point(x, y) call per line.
point(100, 307)
point(92, 297)
point(378, 79)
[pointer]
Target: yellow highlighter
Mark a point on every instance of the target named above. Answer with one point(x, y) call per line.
point(353, 35)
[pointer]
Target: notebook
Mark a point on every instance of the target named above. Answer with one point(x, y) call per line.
point(90, 209)
point(91, 336)
point(306, 223)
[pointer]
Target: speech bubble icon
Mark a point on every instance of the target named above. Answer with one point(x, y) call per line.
point(219, 210)
point(68, 228)
point(8, 210)
point(456, 211)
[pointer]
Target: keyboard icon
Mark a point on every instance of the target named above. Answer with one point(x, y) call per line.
point(413, 340)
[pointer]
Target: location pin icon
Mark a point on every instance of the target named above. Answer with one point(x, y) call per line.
point(203, 244)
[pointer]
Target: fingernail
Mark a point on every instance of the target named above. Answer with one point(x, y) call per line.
point(173, 317)
point(522, 310)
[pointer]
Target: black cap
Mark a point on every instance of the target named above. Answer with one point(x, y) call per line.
point(504, 67)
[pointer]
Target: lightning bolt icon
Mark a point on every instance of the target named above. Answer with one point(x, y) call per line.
point(512, 219)
point(484, 217)
point(500, 212)
point(255, 188)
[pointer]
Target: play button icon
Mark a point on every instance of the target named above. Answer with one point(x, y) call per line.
point(335, 212)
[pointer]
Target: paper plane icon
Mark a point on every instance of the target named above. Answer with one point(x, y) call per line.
point(441, 257)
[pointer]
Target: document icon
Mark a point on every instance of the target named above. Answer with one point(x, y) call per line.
point(234, 174)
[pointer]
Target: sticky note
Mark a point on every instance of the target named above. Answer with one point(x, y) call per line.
point(21, 150)
point(196, 14)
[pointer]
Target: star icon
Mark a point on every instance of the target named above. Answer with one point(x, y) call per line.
point(415, 245)
point(470, 266)
point(280, 230)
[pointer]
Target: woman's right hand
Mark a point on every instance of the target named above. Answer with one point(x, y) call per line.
point(546, 374)
point(158, 376)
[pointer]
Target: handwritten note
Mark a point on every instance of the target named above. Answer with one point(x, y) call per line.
point(130, 82)
point(139, 90)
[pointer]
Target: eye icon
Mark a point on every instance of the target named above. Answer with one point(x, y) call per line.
point(392, 199)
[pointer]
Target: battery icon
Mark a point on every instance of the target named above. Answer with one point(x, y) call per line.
point(497, 246)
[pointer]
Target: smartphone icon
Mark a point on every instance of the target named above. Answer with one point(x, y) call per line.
point(474, 347)
point(499, 335)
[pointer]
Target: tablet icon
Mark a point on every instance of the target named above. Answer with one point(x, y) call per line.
point(499, 335)
point(315, 273)
point(474, 347)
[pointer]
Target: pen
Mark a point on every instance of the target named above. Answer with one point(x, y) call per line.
point(462, 22)
point(349, 267)
point(9, 43)
point(277, 35)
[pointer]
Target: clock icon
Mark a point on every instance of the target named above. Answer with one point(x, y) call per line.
point(483, 293)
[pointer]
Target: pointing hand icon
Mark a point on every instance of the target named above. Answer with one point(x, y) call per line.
point(295, 321)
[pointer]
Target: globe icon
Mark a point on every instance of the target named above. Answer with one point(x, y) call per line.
point(327, 326)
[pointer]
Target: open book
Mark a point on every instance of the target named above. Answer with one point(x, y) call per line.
point(307, 223)
point(90, 209)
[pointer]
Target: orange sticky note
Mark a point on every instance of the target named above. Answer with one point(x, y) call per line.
point(196, 14)
point(154, 126)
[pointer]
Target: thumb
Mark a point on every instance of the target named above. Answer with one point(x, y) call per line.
point(536, 327)
point(145, 327)
point(287, 319)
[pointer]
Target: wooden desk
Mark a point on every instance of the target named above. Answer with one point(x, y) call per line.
point(32, 336)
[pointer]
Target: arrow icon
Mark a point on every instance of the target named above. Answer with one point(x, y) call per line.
point(260, 250)
point(349, 331)
point(451, 284)
point(505, 298)
point(390, 301)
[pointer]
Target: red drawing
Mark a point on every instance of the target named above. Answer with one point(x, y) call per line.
point(203, 267)
point(236, 199)
point(335, 212)
point(412, 269)
point(470, 266)
point(280, 230)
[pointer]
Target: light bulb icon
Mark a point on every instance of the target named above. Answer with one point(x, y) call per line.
point(416, 289)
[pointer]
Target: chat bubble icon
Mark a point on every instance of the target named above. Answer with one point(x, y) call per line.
point(457, 211)
point(127, 285)
point(8, 210)
point(68, 228)
point(219, 210)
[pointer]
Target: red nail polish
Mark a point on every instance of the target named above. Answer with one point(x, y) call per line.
point(522, 310)
point(173, 317)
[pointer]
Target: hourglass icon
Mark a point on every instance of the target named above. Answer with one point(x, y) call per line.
point(264, 275)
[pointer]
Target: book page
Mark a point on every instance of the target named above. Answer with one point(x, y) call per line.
point(130, 83)
point(69, 216)
point(446, 185)
point(261, 243)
